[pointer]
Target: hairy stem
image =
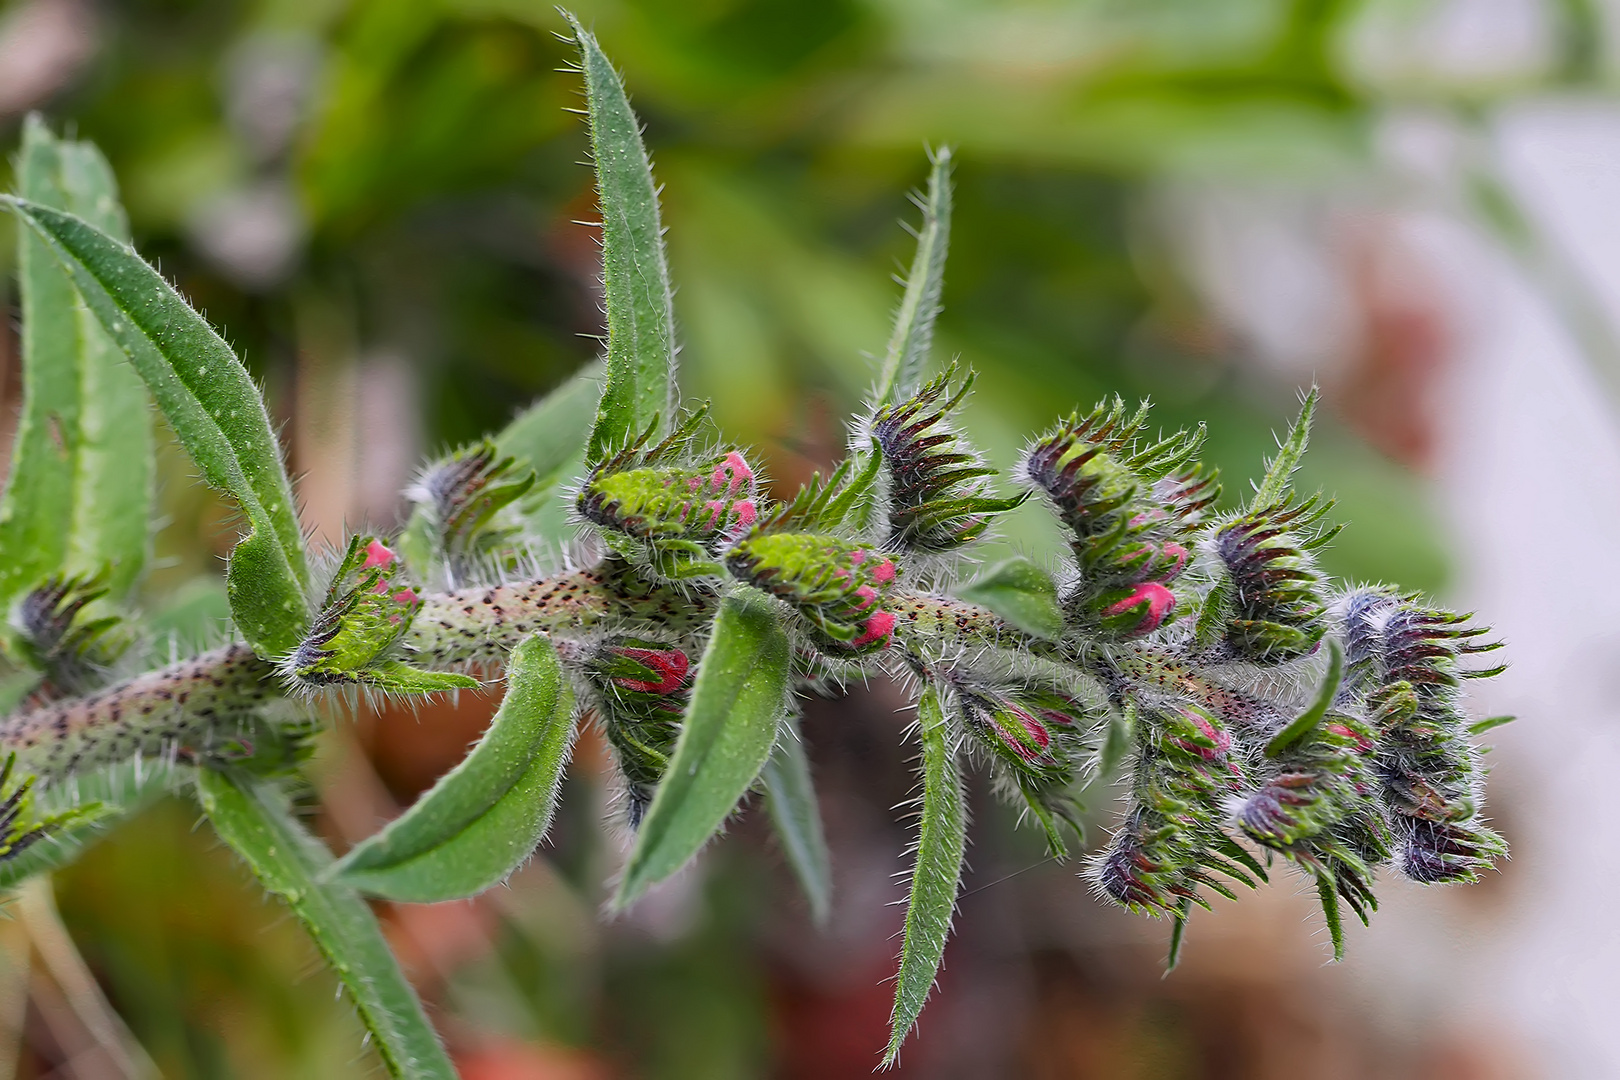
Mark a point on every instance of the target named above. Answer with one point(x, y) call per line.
point(204, 704)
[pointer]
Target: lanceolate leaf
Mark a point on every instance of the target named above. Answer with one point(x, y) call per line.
point(941, 844)
point(79, 496)
point(1280, 469)
point(640, 307)
point(484, 817)
point(214, 409)
point(254, 819)
point(737, 700)
point(791, 796)
point(1022, 594)
point(550, 434)
point(907, 354)
point(1301, 726)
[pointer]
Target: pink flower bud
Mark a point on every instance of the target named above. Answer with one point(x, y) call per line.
point(1038, 740)
point(1177, 556)
point(1154, 599)
point(732, 474)
point(670, 665)
point(1214, 742)
point(878, 627)
point(377, 554)
point(883, 572)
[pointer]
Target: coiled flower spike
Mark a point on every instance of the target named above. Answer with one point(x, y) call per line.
point(837, 585)
point(938, 496)
point(1131, 514)
point(642, 687)
point(1274, 610)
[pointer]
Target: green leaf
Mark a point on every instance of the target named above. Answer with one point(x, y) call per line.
point(941, 844)
point(1301, 726)
point(254, 819)
point(738, 698)
point(214, 409)
point(80, 493)
point(484, 817)
point(1280, 469)
point(635, 274)
point(549, 435)
point(791, 798)
point(913, 334)
point(1022, 594)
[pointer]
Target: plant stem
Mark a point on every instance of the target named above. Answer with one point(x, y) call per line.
point(194, 706)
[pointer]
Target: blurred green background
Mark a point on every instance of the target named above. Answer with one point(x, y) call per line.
point(377, 200)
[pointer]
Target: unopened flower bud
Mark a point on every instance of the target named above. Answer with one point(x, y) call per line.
point(1142, 610)
point(710, 502)
point(839, 586)
point(1277, 612)
point(643, 667)
point(939, 498)
point(367, 610)
point(643, 687)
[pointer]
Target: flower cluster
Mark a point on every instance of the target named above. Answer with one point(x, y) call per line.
point(1131, 512)
point(641, 689)
point(369, 607)
point(1404, 656)
point(1271, 601)
point(837, 585)
point(462, 495)
point(669, 507)
point(938, 492)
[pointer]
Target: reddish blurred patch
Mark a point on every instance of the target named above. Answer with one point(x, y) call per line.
point(508, 1059)
point(826, 1031)
point(1389, 388)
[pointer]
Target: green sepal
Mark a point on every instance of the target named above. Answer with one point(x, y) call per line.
point(1479, 727)
point(22, 827)
point(1178, 936)
point(1273, 487)
point(1328, 894)
point(400, 678)
point(828, 504)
